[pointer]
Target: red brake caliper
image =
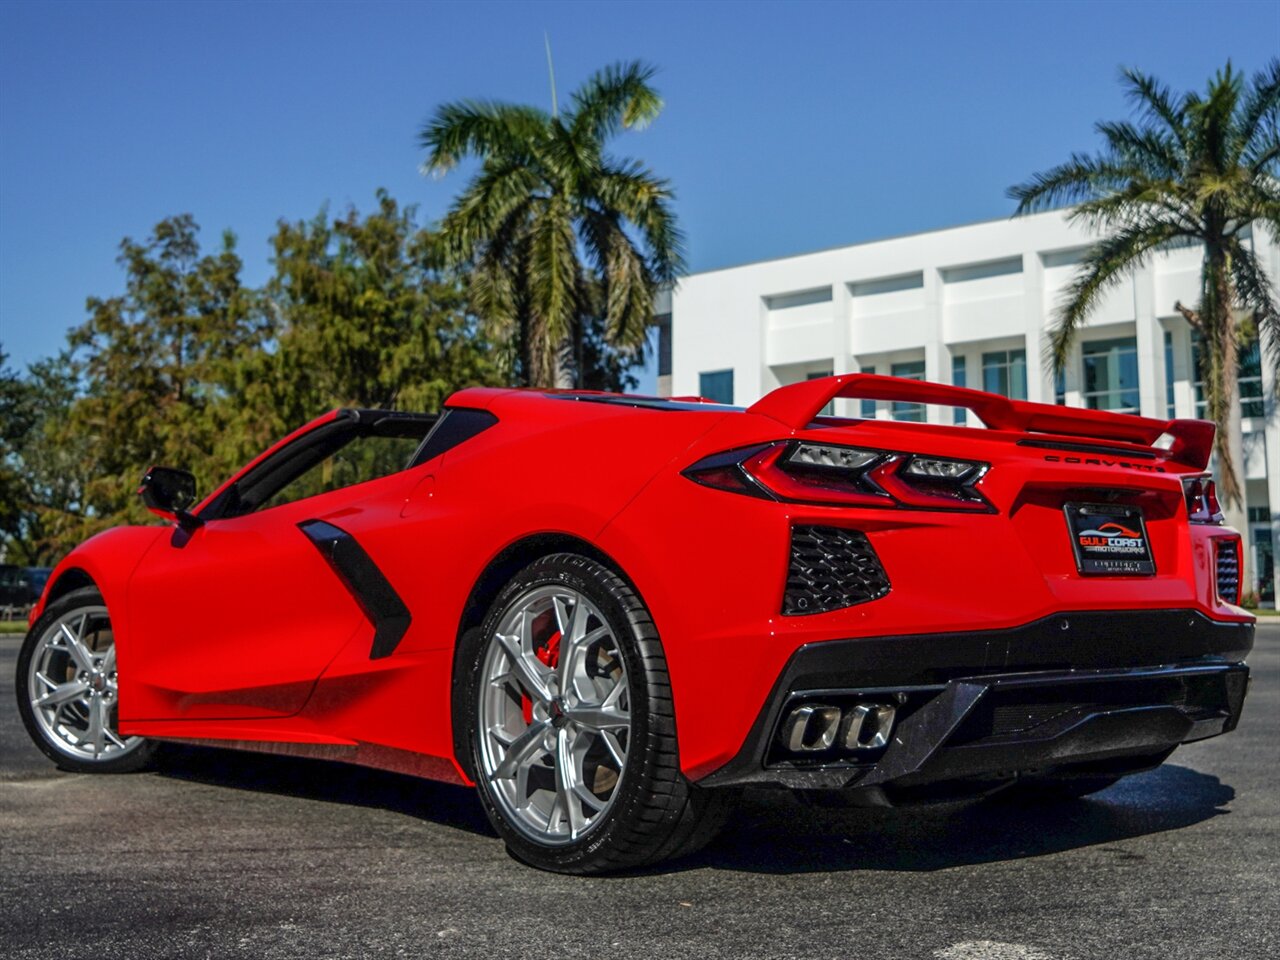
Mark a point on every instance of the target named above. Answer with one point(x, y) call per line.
point(550, 655)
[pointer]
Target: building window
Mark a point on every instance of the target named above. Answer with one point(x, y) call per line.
point(912, 370)
point(1168, 375)
point(1248, 382)
point(1060, 387)
point(716, 386)
point(830, 409)
point(1005, 372)
point(1111, 375)
point(1259, 514)
point(868, 406)
point(959, 379)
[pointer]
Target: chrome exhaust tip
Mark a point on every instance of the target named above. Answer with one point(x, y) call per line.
point(811, 727)
point(867, 726)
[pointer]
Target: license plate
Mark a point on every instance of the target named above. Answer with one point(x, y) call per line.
point(1109, 540)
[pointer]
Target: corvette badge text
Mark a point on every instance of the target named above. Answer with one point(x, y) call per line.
point(1103, 462)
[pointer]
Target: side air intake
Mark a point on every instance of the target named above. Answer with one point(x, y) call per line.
point(831, 568)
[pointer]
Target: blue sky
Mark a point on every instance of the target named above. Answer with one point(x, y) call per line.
point(788, 127)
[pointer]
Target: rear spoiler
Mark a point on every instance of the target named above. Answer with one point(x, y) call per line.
point(797, 405)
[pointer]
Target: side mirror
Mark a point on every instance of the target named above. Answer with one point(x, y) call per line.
point(169, 492)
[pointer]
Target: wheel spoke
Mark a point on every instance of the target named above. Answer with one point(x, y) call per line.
point(526, 670)
point(566, 792)
point(523, 749)
point(599, 718)
point(539, 760)
point(614, 746)
point(95, 735)
point(62, 694)
point(75, 646)
point(62, 679)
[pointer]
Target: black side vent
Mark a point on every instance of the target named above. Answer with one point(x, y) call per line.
point(831, 568)
point(1228, 571)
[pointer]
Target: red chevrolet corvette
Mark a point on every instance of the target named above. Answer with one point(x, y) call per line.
point(608, 612)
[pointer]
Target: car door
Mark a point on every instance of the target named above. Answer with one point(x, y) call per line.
point(238, 617)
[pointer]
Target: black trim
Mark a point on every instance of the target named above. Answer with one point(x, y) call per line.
point(456, 425)
point(952, 664)
point(1094, 448)
point(361, 576)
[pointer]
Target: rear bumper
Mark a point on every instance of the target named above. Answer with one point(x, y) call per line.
point(1058, 694)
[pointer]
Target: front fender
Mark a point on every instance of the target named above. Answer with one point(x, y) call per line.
point(108, 559)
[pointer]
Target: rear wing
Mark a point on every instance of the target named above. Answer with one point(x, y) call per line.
point(796, 406)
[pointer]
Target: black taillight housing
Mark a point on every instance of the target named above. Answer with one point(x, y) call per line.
point(800, 471)
point(1201, 495)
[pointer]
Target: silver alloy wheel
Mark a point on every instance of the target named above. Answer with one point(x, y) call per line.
point(555, 720)
point(72, 686)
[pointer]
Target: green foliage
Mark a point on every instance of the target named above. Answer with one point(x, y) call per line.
point(1196, 168)
point(189, 367)
point(553, 229)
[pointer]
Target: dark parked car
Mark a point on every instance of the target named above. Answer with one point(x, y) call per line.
point(20, 586)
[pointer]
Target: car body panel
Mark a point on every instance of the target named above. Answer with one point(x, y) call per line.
point(240, 631)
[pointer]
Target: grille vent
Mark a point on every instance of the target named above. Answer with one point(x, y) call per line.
point(1228, 571)
point(831, 568)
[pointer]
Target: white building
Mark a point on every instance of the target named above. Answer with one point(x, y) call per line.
point(969, 305)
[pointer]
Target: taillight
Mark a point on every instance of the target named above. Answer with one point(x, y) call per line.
point(1201, 494)
point(831, 475)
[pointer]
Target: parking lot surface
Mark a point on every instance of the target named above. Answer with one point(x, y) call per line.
point(222, 854)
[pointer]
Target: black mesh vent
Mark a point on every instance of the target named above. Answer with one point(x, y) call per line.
point(1228, 571)
point(831, 568)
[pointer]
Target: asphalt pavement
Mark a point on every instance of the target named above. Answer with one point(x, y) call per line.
point(221, 854)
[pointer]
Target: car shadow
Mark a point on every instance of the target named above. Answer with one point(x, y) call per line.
point(772, 831)
point(776, 833)
point(428, 800)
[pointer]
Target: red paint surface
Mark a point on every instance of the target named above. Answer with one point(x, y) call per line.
point(245, 634)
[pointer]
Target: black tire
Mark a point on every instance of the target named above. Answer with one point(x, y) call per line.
point(134, 759)
point(657, 813)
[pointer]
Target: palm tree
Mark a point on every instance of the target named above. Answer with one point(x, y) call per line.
point(551, 225)
point(1195, 169)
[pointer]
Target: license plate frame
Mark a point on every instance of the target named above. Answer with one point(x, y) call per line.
point(1109, 540)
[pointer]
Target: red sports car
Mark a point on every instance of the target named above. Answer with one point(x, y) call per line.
point(610, 612)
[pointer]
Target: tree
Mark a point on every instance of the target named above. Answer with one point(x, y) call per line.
point(141, 383)
point(42, 475)
point(1193, 168)
point(550, 213)
point(361, 320)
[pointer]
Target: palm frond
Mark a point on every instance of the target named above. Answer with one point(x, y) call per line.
point(1256, 292)
point(645, 200)
point(1260, 111)
point(480, 128)
point(553, 272)
point(1104, 265)
point(1152, 151)
point(1080, 178)
point(483, 207)
point(616, 97)
point(1155, 102)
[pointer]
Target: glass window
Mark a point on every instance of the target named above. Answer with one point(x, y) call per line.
point(1168, 375)
point(1005, 372)
point(1111, 375)
point(911, 370)
point(1060, 387)
point(341, 453)
point(716, 385)
point(868, 406)
point(1248, 383)
point(830, 408)
point(959, 378)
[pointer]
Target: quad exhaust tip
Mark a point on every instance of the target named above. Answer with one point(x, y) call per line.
point(815, 727)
